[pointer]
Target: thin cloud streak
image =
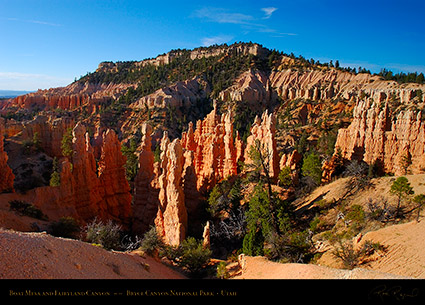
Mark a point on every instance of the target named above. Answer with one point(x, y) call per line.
point(246, 22)
point(34, 22)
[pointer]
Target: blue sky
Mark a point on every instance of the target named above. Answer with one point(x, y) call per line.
point(48, 43)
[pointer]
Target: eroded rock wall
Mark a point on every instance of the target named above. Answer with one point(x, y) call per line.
point(6, 175)
point(395, 141)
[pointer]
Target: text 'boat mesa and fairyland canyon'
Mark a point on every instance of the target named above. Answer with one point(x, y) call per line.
point(222, 150)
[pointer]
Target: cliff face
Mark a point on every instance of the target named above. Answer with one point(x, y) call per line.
point(396, 142)
point(6, 175)
point(182, 94)
point(316, 84)
point(86, 190)
point(252, 87)
point(50, 131)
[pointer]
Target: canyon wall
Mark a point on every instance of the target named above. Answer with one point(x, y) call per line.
point(319, 84)
point(396, 142)
point(252, 87)
point(6, 175)
point(181, 94)
point(71, 97)
point(88, 190)
point(50, 131)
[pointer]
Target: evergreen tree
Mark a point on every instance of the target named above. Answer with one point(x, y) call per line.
point(312, 167)
point(66, 144)
point(401, 188)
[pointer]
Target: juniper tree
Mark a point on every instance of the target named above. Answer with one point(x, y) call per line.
point(402, 189)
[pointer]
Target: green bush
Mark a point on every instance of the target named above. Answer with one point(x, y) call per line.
point(65, 227)
point(107, 235)
point(312, 167)
point(222, 272)
point(151, 242)
point(354, 256)
point(55, 178)
point(66, 143)
point(27, 209)
point(190, 255)
point(194, 256)
point(285, 178)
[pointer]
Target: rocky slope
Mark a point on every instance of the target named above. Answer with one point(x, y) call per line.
point(41, 256)
point(261, 268)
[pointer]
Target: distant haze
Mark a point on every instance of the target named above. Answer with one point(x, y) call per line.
point(12, 93)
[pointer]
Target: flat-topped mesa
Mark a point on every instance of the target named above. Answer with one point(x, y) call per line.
point(6, 176)
point(263, 132)
point(214, 150)
point(164, 59)
point(395, 142)
point(242, 49)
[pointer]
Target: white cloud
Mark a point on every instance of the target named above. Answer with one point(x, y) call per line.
point(207, 41)
point(268, 11)
point(30, 82)
point(222, 16)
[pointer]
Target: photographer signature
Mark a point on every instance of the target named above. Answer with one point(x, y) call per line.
point(395, 292)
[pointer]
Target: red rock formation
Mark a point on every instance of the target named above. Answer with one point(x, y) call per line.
point(6, 175)
point(291, 160)
point(374, 134)
point(70, 97)
point(87, 191)
point(50, 130)
point(116, 197)
point(171, 220)
point(264, 130)
point(146, 189)
point(214, 150)
point(59, 201)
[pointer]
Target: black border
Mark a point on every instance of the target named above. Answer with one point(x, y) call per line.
point(302, 291)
